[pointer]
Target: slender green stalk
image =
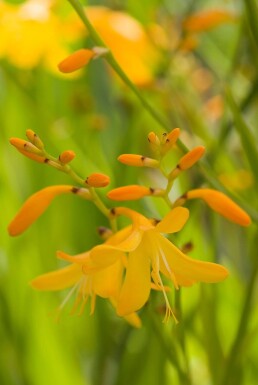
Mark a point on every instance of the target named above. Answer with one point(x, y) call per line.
point(114, 64)
point(235, 350)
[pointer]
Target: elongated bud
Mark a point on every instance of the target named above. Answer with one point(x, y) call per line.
point(26, 146)
point(35, 139)
point(76, 60)
point(34, 207)
point(36, 158)
point(189, 159)
point(222, 204)
point(138, 160)
point(66, 156)
point(98, 180)
point(170, 140)
point(133, 192)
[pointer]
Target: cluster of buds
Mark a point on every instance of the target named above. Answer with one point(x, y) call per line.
point(216, 200)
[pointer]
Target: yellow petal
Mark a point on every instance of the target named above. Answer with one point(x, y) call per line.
point(107, 282)
point(188, 269)
point(59, 279)
point(136, 288)
point(34, 207)
point(222, 204)
point(173, 221)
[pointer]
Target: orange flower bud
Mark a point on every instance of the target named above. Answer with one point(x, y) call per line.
point(130, 193)
point(205, 20)
point(34, 139)
point(222, 204)
point(189, 159)
point(25, 146)
point(37, 158)
point(98, 180)
point(137, 160)
point(66, 156)
point(34, 207)
point(173, 136)
point(76, 60)
point(153, 139)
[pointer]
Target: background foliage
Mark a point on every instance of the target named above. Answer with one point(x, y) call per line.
point(210, 92)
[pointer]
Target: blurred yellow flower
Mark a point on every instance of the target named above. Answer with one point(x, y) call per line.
point(150, 253)
point(128, 41)
point(32, 34)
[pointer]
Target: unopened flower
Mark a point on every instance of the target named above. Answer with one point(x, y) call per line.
point(98, 180)
point(133, 192)
point(66, 156)
point(207, 19)
point(76, 60)
point(149, 254)
point(36, 205)
point(222, 204)
point(138, 160)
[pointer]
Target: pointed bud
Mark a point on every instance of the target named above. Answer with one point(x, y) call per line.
point(34, 207)
point(76, 60)
point(66, 156)
point(222, 204)
point(98, 180)
point(23, 145)
point(189, 159)
point(170, 140)
point(133, 192)
point(138, 160)
point(153, 139)
point(35, 139)
point(36, 158)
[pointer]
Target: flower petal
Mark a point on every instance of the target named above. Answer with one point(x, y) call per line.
point(185, 269)
point(34, 207)
point(136, 288)
point(107, 282)
point(59, 279)
point(173, 221)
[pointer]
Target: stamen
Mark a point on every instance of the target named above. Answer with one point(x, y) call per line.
point(172, 275)
point(169, 311)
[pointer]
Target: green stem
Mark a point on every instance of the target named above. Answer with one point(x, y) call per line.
point(169, 348)
point(236, 350)
point(116, 67)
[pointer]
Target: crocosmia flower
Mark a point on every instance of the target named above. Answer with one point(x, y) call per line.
point(151, 255)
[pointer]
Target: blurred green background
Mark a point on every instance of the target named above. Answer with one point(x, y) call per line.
point(192, 82)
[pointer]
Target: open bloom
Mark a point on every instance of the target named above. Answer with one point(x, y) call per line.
point(149, 254)
point(86, 282)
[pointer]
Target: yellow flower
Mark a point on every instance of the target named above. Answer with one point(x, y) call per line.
point(86, 282)
point(127, 40)
point(149, 254)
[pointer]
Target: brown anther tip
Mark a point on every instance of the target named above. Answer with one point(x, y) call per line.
point(46, 160)
point(151, 190)
point(178, 166)
point(75, 190)
point(155, 221)
point(167, 140)
point(113, 211)
point(184, 196)
point(143, 158)
point(164, 134)
point(101, 230)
